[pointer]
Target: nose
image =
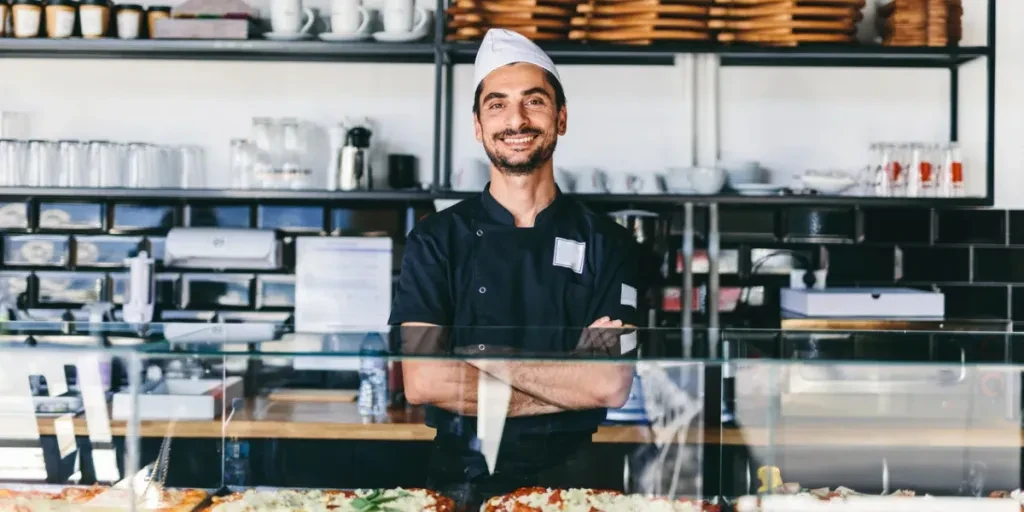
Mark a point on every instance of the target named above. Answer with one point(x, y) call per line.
point(517, 118)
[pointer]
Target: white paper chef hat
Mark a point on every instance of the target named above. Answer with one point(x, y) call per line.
point(501, 47)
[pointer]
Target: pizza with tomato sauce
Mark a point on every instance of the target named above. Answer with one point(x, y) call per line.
point(540, 499)
point(313, 500)
point(100, 499)
point(1017, 495)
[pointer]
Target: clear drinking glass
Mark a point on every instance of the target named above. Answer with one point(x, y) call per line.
point(74, 164)
point(139, 167)
point(13, 158)
point(43, 164)
point(192, 165)
point(106, 164)
point(243, 164)
point(266, 135)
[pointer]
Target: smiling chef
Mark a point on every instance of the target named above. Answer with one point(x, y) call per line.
point(519, 254)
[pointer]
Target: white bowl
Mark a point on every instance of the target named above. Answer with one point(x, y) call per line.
point(742, 171)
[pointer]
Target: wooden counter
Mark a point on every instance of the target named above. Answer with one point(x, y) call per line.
point(263, 419)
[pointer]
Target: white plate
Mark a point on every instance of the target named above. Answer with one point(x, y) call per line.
point(291, 36)
point(398, 37)
point(331, 37)
point(757, 189)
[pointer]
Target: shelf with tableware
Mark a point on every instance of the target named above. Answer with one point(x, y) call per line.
point(745, 33)
point(220, 29)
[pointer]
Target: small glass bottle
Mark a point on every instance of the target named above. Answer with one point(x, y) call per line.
point(951, 181)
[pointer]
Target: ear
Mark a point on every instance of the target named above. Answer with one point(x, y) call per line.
point(478, 131)
point(562, 119)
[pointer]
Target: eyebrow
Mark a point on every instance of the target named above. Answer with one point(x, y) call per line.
point(528, 92)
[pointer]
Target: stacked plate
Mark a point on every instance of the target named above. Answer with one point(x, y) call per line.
point(786, 22)
point(542, 20)
point(641, 21)
point(920, 22)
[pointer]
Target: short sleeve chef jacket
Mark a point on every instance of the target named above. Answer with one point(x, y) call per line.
point(470, 266)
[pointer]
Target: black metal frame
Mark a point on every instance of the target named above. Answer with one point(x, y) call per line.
point(446, 55)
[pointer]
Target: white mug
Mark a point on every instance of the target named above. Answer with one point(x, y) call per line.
point(349, 17)
point(400, 16)
point(286, 17)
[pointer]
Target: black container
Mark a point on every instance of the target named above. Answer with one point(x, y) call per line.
point(403, 171)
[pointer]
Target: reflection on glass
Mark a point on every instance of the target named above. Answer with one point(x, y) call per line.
point(275, 291)
point(42, 250)
point(291, 218)
point(70, 287)
point(130, 217)
point(70, 216)
point(105, 251)
point(216, 290)
point(219, 216)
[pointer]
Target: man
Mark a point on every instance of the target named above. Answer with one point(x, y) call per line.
point(523, 255)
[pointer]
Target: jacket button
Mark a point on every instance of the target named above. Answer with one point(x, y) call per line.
point(479, 232)
point(483, 289)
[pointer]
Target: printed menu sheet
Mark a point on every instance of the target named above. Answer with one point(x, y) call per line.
point(342, 284)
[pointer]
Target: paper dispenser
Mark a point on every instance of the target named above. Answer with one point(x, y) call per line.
point(220, 248)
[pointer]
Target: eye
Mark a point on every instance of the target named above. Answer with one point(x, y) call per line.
point(536, 101)
point(494, 106)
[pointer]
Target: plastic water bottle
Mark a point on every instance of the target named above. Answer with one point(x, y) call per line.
point(236, 462)
point(373, 378)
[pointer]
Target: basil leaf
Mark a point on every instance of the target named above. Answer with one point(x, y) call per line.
point(361, 503)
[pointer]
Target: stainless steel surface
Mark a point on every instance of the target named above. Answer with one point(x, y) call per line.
point(688, 279)
point(354, 165)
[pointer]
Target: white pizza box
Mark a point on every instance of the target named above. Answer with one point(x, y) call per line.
point(864, 303)
point(180, 399)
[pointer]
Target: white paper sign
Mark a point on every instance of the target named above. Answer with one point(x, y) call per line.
point(342, 284)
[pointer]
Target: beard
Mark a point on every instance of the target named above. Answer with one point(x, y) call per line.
point(534, 160)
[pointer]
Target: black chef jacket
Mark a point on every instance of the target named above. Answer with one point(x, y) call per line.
point(471, 268)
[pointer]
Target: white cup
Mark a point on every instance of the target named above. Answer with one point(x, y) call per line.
point(349, 17)
point(400, 16)
point(286, 17)
point(128, 23)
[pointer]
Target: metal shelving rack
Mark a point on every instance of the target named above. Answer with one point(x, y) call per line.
point(445, 56)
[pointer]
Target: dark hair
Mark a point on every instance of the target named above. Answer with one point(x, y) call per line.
point(549, 76)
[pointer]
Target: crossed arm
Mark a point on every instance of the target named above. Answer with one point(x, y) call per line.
point(538, 387)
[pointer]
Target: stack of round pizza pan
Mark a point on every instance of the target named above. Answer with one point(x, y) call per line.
point(920, 22)
point(641, 21)
point(787, 22)
point(542, 20)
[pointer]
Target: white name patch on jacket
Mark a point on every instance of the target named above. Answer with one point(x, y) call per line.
point(569, 254)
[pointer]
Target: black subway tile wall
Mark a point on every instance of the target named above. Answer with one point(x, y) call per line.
point(971, 227)
point(897, 226)
point(63, 253)
point(936, 264)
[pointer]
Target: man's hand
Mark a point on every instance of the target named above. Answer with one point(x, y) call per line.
point(602, 337)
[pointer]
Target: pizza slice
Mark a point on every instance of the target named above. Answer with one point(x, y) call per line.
point(389, 500)
point(540, 499)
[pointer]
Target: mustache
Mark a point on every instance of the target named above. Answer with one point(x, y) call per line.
point(517, 133)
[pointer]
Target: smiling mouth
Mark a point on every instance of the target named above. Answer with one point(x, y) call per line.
point(519, 140)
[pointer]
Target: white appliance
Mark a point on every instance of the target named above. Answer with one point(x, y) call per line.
point(179, 399)
point(222, 248)
point(905, 303)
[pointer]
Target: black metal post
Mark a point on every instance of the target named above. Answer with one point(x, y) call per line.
point(449, 92)
point(954, 102)
point(990, 143)
point(439, 60)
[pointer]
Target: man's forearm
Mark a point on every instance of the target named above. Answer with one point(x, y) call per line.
point(565, 385)
point(453, 387)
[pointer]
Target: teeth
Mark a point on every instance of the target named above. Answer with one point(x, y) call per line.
point(519, 140)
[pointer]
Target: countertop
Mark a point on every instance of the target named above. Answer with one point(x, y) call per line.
point(264, 419)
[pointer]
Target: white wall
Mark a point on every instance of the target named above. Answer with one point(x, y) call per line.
point(621, 118)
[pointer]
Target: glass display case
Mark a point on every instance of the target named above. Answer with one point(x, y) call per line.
point(229, 417)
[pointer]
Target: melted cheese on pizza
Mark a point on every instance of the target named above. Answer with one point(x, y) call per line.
point(405, 500)
point(585, 500)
